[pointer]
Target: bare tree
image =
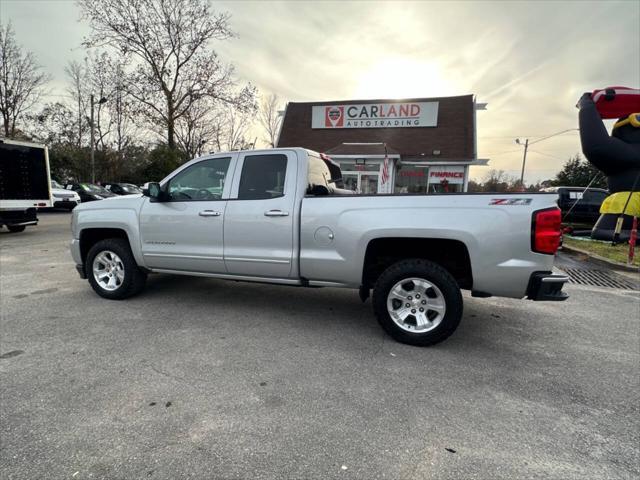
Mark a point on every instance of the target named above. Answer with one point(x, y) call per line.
point(167, 42)
point(235, 127)
point(499, 181)
point(270, 118)
point(76, 75)
point(197, 128)
point(21, 80)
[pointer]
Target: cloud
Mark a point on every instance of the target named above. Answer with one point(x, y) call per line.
point(529, 60)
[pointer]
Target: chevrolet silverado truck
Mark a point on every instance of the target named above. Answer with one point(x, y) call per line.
point(279, 216)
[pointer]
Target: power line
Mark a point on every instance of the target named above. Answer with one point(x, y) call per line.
point(502, 153)
point(516, 136)
point(554, 134)
point(546, 155)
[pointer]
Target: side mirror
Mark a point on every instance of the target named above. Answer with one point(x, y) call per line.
point(153, 191)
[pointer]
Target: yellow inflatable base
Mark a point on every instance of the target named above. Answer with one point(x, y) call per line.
point(615, 203)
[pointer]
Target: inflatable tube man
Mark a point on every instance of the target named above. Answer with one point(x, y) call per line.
point(617, 156)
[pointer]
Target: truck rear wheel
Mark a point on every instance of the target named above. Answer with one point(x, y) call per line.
point(16, 228)
point(417, 302)
point(112, 271)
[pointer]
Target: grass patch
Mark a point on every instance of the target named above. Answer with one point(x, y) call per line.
point(618, 253)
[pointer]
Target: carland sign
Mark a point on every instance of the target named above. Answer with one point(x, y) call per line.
point(375, 115)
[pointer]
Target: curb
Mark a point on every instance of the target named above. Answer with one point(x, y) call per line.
point(600, 260)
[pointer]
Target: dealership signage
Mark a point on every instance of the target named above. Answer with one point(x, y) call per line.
point(453, 175)
point(375, 115)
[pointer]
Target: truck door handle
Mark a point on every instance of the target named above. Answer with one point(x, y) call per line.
point(209, 213)
point(276, 213)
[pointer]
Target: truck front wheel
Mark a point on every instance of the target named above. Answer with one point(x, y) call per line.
point(16, 228)
point(417, 302)
point(112, 271)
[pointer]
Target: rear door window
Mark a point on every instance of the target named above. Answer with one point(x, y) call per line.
point(262, 177)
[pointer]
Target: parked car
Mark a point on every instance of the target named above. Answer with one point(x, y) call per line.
point(89, 192)
point(24, 183)
point(63, 198)
point(123, 188)
point(279, 219)
point(579, 204)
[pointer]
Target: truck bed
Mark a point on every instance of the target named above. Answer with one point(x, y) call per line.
point(495, 228)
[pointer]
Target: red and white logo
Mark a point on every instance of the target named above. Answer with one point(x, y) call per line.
point(333, 117)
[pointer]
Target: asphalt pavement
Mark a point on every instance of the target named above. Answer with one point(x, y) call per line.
point(202, 378)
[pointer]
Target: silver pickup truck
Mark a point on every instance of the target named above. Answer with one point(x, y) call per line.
point(279, 216)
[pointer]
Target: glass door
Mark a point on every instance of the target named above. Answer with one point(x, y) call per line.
point(365, 183)
point(368, 183)
point(360, 177)
point(350, 180)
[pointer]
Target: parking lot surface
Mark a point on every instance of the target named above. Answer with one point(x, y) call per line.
point(201, 378)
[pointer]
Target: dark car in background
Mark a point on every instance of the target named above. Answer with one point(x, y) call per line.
point(123, 188)
point(89, 192)
point(579, 205)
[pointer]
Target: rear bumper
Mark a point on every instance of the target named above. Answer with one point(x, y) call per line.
point(545, 286)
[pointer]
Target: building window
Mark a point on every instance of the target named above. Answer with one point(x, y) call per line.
point(359, 166)
point(446, 179)
point(412, 179)
point(445, 187)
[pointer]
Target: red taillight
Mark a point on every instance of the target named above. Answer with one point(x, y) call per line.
point(546, 231)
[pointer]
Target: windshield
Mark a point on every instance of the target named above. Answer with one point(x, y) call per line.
point(88, 187)
point(130, 188)
point(55, 184)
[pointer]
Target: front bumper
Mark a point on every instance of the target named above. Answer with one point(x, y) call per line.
point(66, 204)
point(76, 254)
point(545, 286)
point(81, 272)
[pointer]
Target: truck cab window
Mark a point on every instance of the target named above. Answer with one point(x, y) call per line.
point(262, 177)
point(200, 182)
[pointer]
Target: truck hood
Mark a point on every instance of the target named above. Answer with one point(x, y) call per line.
point(114, 203)
point(61, 193)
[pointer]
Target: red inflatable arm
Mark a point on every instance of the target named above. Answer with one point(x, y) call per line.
point(616, 102)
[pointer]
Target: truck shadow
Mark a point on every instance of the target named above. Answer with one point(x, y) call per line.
point(304, 308)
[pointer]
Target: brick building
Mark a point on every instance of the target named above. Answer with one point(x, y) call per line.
point(430, 142)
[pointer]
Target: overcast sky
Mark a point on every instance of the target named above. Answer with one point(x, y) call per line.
point(529, 60)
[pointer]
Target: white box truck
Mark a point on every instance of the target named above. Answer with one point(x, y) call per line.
point(25, 183)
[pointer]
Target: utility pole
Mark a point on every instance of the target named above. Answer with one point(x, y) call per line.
point(526, 147)
point(93, 146)
point(79, 120)
point(93, 143)
point(524, 159)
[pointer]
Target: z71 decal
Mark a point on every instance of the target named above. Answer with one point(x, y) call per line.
point(510, 201)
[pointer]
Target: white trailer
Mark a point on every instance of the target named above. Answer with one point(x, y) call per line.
point(25, 183)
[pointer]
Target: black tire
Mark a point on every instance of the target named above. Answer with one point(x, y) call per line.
point(16, 228)
point(434, 274)
point(134, 278)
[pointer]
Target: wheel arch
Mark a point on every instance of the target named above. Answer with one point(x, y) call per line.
point(90, 236)
point(451, 254)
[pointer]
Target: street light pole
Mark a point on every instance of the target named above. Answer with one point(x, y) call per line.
point(93, 143)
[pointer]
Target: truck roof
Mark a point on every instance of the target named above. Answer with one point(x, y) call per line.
point(262, 150)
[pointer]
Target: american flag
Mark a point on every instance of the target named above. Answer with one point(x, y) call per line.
point(385, 167)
